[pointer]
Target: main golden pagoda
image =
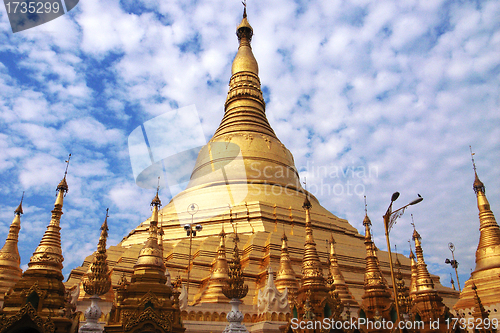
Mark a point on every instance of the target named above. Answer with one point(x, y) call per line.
point(483, 285)
point(245, 179)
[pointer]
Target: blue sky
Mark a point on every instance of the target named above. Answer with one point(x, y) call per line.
point(371, 97)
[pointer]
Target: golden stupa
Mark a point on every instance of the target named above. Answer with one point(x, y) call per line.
point(245, 178)
point(484, 282)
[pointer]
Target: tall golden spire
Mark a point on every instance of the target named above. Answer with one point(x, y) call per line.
point(97, 280)
point(424, 280)
point(40, 286)
point(48, 254)
point(10, 270)
point(286, 278)
point(150, 260)
point(485, 275)
point(219, 276)
point(488, 249)
point(377, 302)
point(373, 274)
point(312, 272)
point(245, 106)
point(314, 296)
point(427, 304)
point(338, 279)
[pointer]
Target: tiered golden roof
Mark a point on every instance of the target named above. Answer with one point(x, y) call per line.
point(97, 280)
point(147, 303)
point(10, 261)
point(487, 270)
point(377, 302)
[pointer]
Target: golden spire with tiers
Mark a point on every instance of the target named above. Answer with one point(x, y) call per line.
point(97, 280)
point(219, 277)
point(428, 305)
point(313, 290)
point(312, 272)
point(377, 302)
point(10, 261)
point(40, 291)
point(402, 289)
point(147, 303)
point(413, 280)
point(338, 279)
point(487, 270)
point(285, 277)
point(150, 260)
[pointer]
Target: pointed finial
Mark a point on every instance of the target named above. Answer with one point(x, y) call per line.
point(105, 223)
point(478, 185)
point(244, 2)
point(472, 157)
point(416, 235)
point(222, 232)
point(19, 209)
point(397, 262)
point(63, 186)
point(67, 165)
point(307, 203)
point(156, 200)
point(366, 220)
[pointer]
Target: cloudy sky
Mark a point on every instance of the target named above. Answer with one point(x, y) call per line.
point(370, 96)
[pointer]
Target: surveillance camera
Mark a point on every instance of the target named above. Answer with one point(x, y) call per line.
point(199, 227)
point(187, 227)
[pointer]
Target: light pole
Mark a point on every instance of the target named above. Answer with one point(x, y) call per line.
point(390, 218)
point(453, 262)
point(192, 209)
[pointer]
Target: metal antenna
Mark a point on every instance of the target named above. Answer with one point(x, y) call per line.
point(67, 165)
